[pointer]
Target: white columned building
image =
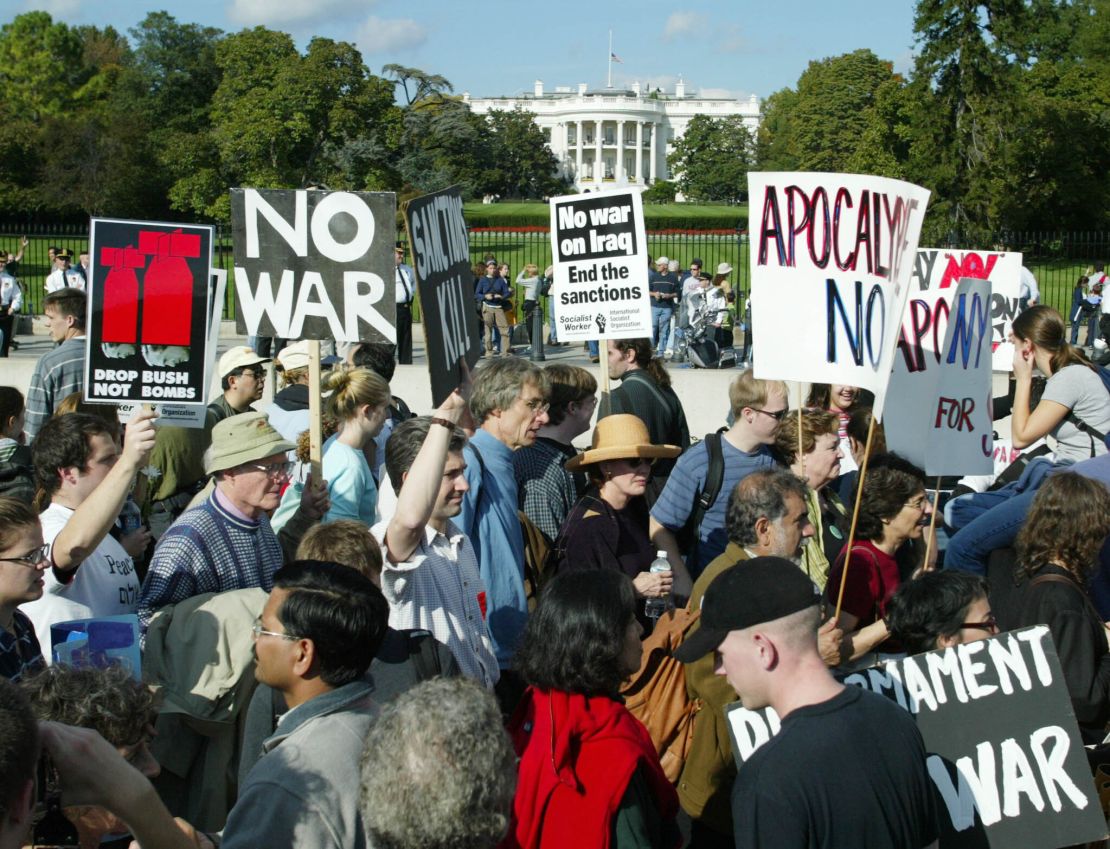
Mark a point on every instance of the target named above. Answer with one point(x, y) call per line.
point(588, 130)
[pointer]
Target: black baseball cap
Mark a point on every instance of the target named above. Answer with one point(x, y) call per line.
point(748, 593)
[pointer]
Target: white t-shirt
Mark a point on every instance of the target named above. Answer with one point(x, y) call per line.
point(105, 583)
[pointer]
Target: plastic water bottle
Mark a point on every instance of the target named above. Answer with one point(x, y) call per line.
point(130, 516)
point(655, 607)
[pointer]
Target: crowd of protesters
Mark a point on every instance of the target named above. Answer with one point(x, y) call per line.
point(427, 648)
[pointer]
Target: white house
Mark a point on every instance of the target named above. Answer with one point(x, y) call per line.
point(612, 137)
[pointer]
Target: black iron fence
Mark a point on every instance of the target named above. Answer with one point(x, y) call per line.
point(1056, 259)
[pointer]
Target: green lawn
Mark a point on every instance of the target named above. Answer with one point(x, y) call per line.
point(656, 216)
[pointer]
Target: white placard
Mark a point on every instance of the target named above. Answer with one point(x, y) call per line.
point(601, 259)
point(939, 415)
point(937, 268)
point(832, 257)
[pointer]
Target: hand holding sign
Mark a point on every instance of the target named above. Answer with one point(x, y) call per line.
point(138, 440)
point(314, 499)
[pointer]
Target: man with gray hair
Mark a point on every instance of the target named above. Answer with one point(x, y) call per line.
point(766, 516)
point(509, 401)
point(438, 771)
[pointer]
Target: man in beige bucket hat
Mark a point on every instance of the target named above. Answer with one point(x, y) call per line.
point(226, 542)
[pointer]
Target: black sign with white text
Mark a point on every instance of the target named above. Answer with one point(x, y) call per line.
point(441, 257)
point(314, 264)
point(1004, 749)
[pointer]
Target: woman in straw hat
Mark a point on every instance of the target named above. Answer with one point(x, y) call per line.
point(608, 527)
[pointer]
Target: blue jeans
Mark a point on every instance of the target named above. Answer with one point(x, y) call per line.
point(991, 520)
point(660, 327)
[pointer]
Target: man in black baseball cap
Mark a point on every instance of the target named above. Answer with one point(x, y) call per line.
point(847, 768)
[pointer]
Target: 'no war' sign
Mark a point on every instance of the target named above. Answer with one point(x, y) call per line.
point(314, 265)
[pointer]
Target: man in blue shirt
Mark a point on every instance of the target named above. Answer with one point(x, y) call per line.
point(494, 296)
point(509, 400)
point(664, 289)
point(758, 407)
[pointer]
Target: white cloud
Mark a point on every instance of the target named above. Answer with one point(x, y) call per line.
point(57, 8)
point(726, 93)
point(379, 35)
point(732, 40)
point(680, 24)
point(270, 13)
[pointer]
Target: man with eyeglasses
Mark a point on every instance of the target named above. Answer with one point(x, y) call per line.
point(242, 378)
point(758, 407)
point(320, 629)
point(509, 399)
point(226, 542)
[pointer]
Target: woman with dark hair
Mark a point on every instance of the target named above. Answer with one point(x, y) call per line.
point(1057, 551)
point(23, 560)
point(589, 775)
point(608, 527)
point(894, 509)
point(1075, 406)
point(940, 609)
point(17, 474)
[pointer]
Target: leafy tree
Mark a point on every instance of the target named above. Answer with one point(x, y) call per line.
point(425, 87)
point(40, 66)
point(661, 191)
point(524, 165)
point(712, 159)
point(775, 146)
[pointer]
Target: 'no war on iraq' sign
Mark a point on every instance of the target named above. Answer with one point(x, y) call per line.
point(314, 265)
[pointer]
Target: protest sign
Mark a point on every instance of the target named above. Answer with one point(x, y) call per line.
point(314, 265)
point(181, 415)
point(1003, 747)
point(147, 329)
point(601, 266)
point(939, 416)
point(831, 264)
point(441, 255)
point(936, 268)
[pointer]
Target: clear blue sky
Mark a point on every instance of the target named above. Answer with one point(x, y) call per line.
point(499, 47)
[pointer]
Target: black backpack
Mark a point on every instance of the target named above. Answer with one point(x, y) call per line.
point(688, 537)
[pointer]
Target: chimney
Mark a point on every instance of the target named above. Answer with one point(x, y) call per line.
point(680, 88)
point(538, 90)
point(581, 89)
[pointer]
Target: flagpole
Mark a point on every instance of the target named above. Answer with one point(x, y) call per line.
point(609, 84)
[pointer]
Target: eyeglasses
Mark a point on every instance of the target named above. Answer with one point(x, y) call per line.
point(989, 624)
point(777, 415)
point(39, 555)
point(258, 631)
point(274, 470)
point(537, 405)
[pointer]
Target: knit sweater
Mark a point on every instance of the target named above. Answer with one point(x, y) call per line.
point(209, 550)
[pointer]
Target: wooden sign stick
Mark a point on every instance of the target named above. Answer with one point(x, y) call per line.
point(855, 516)
point(315, 426)
point(932, 526)
point(603, 404)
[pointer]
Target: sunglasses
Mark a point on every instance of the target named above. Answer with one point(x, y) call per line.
point(990, 624)
point(777, 415)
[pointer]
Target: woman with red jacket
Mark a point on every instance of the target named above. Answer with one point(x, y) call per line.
point(589, 775)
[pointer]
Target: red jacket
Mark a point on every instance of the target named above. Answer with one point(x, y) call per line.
point(577, 755)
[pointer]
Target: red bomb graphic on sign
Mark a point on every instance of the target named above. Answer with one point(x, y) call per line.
point(148, 312)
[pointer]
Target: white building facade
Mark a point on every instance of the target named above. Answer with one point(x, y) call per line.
point(612, 138)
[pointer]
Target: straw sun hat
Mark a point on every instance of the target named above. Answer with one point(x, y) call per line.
point(620, 437)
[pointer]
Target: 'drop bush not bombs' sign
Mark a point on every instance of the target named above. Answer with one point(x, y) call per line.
point(941, 269)
point(832, 256)
point(939, 415)
point(601, 266)
point(314, 265)
point(147, 328)
point(441, 254)
point(1003, 745)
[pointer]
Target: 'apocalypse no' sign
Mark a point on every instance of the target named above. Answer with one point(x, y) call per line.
point(1004, 749)
point(314, 265)
point(601, 266)
point(148, 307)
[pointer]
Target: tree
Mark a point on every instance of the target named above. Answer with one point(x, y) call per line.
point(523, 164)
point(40, 66)
point(774, 140)
point(425, 87)
point(712, 159)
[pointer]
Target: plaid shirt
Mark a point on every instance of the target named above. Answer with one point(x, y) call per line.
point(209, 550)
point(58, 373)
point(19, 649)
point(440, 590)
point(546, 490)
